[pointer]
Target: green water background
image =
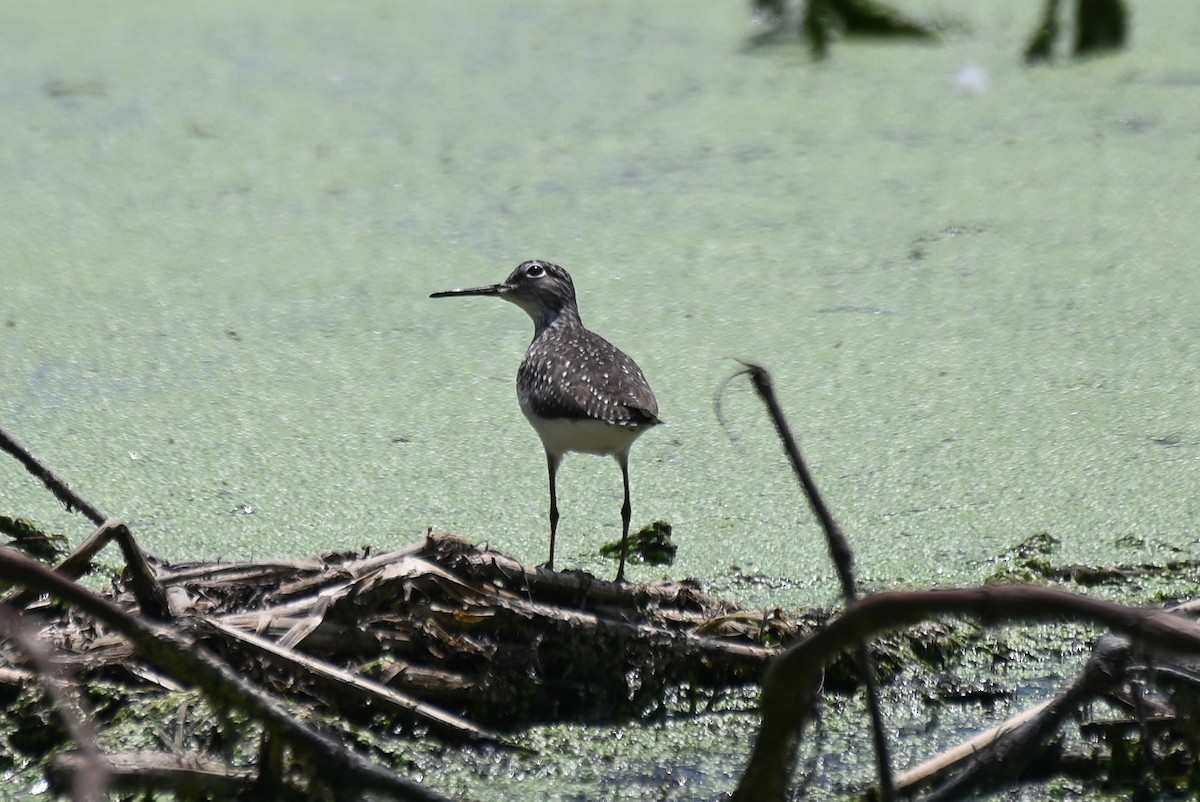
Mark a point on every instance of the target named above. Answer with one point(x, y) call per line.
point(219, 225)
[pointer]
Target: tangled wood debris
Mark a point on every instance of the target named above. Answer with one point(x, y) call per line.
point(468, 629)
point(440, 637)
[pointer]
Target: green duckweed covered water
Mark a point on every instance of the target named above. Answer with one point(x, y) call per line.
point(222, 223)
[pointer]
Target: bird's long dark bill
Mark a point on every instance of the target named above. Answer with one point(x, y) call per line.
point(494, 289)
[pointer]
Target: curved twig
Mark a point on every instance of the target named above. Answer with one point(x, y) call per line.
point(790, 686)
point(718, 410)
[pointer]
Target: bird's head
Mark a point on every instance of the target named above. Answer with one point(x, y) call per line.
point(544, 290)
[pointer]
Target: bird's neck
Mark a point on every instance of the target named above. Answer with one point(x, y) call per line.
point(546, 318)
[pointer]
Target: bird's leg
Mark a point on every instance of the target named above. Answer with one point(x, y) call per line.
point(626, 511)
point(552, 465)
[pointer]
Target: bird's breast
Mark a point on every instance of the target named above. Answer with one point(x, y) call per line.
point(588, 435)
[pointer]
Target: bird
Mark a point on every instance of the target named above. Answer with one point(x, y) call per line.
point(579, 391)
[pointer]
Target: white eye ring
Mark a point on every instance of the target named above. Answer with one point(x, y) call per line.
point(535, 271)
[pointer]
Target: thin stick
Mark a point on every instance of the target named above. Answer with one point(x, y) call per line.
point(374, 692)
point(182, 659)
point(793, 679)
point(943, 761)
point(147, 590)
point(151, 773)
point(73, 566)
point(149, 593)
point(839, 546)
point(91, 777)
point(843, 560)
point(57, 485)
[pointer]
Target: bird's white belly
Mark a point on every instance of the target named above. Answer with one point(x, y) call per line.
point(560, 435)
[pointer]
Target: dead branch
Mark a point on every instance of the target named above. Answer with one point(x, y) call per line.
point(188, 777)
point(57, 485)
point(73, 566)
point(149, 593)
point(362, 689)
point(191, 664)
point(943, 762)
point(150, 596)
point(792, 682)
point(1014, 746)
point(843, 560)
point(91, 777)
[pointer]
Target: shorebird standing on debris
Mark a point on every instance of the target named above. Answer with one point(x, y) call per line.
point(578, 390)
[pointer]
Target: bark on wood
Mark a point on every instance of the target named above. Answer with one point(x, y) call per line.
point(442, 627)
point(792, 682)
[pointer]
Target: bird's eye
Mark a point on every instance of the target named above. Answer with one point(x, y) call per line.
point(535, 271)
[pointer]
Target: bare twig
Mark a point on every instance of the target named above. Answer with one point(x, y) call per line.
point(92, 773)
point(149, 593)
point(790, 687)
point(57, 485)
point(189, 663)
point(1001, 760)
point(73, 566)
point(843, 560)
point(944, 761)
point(190, 777)
point(370, 691)
point(839, 546)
